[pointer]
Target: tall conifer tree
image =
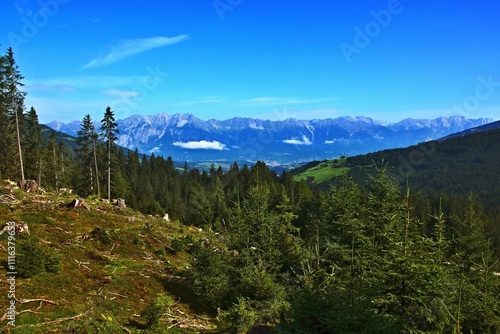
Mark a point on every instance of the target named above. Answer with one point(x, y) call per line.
point(109, 130)
point(12, 108)
point(87, 153)
point(32, 146)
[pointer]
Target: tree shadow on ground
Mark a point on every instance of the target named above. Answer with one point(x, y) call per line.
point(182, 290)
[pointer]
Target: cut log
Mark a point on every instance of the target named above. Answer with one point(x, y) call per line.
point(76, 203)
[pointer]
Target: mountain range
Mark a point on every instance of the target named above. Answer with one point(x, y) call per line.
point(290, 141)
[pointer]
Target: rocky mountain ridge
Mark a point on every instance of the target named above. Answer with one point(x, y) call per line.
point(188, 138)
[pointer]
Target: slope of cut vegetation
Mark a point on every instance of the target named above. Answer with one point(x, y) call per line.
point(113, 263)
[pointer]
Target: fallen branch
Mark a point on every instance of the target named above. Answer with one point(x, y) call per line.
point(202, 318)
point(164, 244)
point(178, 323)
point(83, 264)
point(117, 294)
point(18, 313)
point(25, 301)
point(60, 228)
point(112, 247)
point(52, 322)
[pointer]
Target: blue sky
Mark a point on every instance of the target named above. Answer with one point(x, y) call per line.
point(388, 60)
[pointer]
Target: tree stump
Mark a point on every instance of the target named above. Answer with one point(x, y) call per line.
point(120, 202)
point(18, 226)
point(28, 185)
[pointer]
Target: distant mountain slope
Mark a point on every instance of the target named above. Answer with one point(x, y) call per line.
point(187, 138)
point(459, 166)
point(65, 138)
point(486, 127)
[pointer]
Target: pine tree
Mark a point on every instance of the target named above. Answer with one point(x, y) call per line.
point(4, 120)
point(32, 144)
point(53, 163)
point(337, 284)
point(109, 130)
point(411, 280)
point(477, 268)
point(87, 156)
point(132, 168)
point(12, 108)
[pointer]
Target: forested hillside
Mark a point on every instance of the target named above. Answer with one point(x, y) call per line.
point(361, 257)
point(459, 166)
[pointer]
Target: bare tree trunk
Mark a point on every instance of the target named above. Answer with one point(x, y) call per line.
point(109, 171)
point(54, 157)
point(40, 165)
point(63, 169)
point(91, 170)
point(96, 170)
point(19, 140)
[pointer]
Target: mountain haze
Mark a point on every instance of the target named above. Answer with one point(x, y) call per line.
point(188, 138)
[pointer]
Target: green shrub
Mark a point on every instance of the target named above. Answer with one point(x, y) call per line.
point(240, 317)
point(182, 244)
point(33, 258)
point(106, 237)
point(155, 308)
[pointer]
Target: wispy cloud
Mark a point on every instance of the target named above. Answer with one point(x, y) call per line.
point(132, 47)
point(202, 144)
point(268, 99)
point(122, 94)
point(85, 81)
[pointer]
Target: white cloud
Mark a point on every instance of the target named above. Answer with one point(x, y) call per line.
point(202, 144)
point(121, 94)
point(268, 99)
point(304, 141)
point(154, 150)
point(132, 47)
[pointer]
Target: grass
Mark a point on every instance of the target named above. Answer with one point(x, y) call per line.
point(324, 171)
point(114, 262)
